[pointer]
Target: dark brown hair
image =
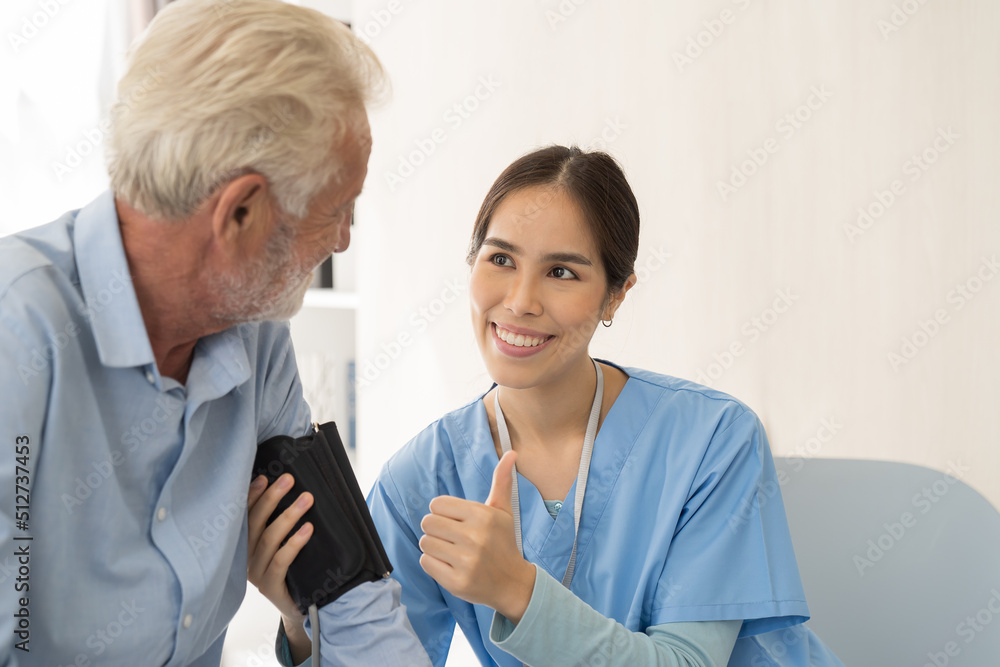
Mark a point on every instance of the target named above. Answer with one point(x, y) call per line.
point(595, 182)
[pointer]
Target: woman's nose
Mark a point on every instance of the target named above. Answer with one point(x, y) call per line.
point(523, 298)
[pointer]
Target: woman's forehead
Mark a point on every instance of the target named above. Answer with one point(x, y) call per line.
point(540, 220)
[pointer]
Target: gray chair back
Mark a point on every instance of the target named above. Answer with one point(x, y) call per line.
point(900, 563)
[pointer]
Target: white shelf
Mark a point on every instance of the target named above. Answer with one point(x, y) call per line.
point(331, 298)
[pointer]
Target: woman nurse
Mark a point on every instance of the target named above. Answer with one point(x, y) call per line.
point(579, 512)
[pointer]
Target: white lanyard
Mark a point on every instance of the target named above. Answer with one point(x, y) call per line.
point(581, 478)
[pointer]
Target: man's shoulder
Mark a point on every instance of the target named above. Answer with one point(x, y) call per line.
point(38, 274)
point(48, 245)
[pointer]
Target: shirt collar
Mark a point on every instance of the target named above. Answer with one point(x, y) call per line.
point(111, 304)
point(220, 363)
point(116, 319)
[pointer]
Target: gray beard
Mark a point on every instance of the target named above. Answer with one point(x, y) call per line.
point(269, 288)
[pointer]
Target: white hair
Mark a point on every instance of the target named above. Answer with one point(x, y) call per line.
point(219, 88)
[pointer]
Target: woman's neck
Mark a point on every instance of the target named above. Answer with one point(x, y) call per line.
point(545, 416)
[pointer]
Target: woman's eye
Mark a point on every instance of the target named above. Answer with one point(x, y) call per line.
point(562, 273)
point(500, 260)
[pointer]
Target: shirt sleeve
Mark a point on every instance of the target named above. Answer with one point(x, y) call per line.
point(731, 556)
point(284, 411)
point(428, 612)
point(368, 626)
point(24, 385)
point(558, 628)
point(787, 647)
point(211, 657)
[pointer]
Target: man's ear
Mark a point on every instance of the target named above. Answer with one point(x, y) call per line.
point(617, 298)
point(243, 207)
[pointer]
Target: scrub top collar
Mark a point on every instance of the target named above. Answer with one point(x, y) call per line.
point(547, 541)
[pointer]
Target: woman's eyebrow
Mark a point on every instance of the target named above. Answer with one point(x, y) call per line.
point(567, 258)
point(503, 245)
point(564, 257)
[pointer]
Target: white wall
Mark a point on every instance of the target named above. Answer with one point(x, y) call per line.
point(58, 69)
point(886, 95)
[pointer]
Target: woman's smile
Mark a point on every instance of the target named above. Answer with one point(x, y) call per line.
point(516, 342)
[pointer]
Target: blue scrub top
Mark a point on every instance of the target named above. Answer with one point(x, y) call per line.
point(673, 526)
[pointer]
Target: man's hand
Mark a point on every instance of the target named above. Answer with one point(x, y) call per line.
point(268, 561)
point(469, 548)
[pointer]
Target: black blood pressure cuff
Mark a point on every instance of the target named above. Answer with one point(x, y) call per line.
point(345, 550)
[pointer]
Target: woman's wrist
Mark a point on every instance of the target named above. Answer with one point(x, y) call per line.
point(517, 594)
point(299, 644)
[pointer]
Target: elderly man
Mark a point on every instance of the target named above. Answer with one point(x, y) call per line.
point(141, 359)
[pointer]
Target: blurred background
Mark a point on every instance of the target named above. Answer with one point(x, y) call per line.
point(816, 180)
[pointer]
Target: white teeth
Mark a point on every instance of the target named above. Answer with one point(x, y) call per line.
point(518, 340)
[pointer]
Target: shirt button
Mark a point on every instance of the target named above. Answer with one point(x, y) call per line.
point(558, 506)
point(188, 620)
point(161, 514)
point(150, 377)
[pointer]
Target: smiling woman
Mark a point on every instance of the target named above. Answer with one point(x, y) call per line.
point(551, 267)
point(626, 480)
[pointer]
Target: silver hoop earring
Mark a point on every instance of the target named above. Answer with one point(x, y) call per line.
point(608, 323)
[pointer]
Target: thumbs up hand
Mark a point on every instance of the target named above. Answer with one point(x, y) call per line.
point(503, 485)
point(470, 550)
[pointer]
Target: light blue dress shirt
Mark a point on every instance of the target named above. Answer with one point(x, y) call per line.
point(136, 529)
